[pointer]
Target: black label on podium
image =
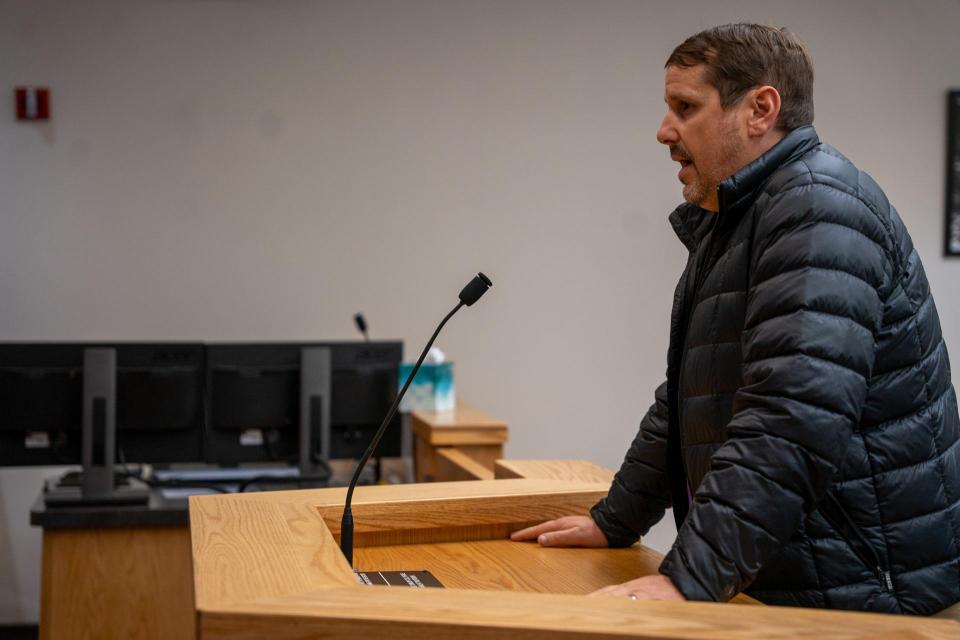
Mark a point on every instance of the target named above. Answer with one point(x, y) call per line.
point(418, 579)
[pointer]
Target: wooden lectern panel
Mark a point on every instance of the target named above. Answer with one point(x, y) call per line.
point(267, 566)
point(440, 519)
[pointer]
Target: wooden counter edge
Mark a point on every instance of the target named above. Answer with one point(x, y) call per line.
point(569, 470)
point(449, 613)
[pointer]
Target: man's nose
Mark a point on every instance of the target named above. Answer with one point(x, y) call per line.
point(667, 133)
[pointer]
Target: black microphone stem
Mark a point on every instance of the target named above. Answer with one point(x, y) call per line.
point(346, 523)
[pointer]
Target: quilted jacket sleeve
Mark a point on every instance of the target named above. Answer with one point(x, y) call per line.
point(640, 492)
point(813, 310)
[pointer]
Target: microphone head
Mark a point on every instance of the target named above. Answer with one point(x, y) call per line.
point(475, 288)
point(361, 323)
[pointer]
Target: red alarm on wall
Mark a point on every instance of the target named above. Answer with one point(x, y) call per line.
point(33, 103)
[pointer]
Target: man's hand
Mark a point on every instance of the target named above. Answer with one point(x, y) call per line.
point(569, 531)
point(646, 588)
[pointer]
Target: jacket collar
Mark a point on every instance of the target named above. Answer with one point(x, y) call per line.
point(738, 190)
point(690, 223)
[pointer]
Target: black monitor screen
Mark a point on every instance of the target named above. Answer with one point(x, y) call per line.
point(222, 404)
point(252, 398)
point(159, 402)
point(41, 396)
point(255, 399)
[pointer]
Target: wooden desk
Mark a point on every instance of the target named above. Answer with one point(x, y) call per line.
point(458, 445)
point(267, 565)
point(113, 571)
point(116, 571)
point(125, 572)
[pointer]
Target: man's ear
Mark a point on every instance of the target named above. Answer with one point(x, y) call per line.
point(763, 106)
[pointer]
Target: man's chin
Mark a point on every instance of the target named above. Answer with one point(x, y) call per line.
point(692, 194)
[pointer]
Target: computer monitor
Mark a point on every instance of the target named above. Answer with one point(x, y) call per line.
point(41, 397)
point(260, 393)
point(160, 402)
point(159, 398)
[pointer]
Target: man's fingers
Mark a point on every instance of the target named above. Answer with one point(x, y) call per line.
point(576, 536)
point(568, 531)
point(534, 532)
point(562, 538)
point(529, 533)
point(605, 591)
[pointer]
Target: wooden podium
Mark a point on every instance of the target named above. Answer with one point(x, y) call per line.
point(267, 565)
point(459, 445)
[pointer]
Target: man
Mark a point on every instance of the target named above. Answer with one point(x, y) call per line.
point(807, 434)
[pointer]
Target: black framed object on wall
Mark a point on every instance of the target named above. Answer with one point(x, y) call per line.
point(951, 238)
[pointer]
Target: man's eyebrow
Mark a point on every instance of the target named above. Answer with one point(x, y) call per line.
point(688, 96)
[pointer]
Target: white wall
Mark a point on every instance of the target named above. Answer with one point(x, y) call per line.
point(253, 170)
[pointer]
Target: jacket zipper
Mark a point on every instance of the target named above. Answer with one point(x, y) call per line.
point(701, 257)
point(880, 568)
point(689, 304)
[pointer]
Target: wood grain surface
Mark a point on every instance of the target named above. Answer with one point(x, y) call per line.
point(464, 425)
point(431, 468)
point(502, 565)
point(246, 549)
point(480, 436)
point(266, 566)
point(117, 583)
point(415, 614)
point(456, 518)
point(247, 546)
point(453, 464)
point(463, 416)
point(574, 470)
point(407, 492)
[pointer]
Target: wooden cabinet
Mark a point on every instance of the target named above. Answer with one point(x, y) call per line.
point(446, 443)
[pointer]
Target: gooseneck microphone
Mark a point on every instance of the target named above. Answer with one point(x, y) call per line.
point(468, 295)
point(361, 323)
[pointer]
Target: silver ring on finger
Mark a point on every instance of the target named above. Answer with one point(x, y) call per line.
point(632, 596)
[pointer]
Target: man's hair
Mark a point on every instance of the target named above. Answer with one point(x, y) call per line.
point(740, 57)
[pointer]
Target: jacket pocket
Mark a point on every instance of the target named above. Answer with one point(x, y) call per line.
point(848, 530)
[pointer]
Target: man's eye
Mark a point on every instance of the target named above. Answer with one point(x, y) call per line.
point(683, 107)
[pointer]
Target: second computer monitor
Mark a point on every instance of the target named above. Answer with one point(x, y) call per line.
point(260, 393)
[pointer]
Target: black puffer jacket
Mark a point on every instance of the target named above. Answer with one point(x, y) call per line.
point(808, 407)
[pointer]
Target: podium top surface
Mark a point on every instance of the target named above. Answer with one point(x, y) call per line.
point(268, 565)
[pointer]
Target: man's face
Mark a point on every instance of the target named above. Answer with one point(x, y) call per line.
point(705, 139)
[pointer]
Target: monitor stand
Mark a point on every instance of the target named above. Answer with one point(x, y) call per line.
point(97, 485)
point(316, 373)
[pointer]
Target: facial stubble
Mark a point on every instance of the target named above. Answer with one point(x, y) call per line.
point(709, 172)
